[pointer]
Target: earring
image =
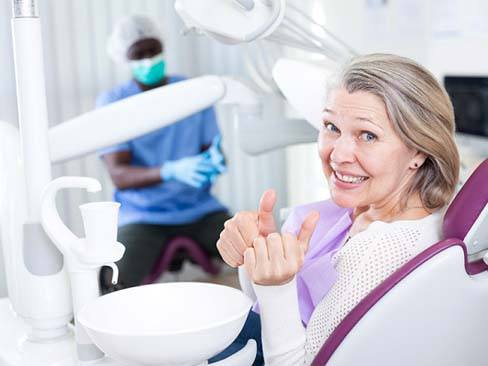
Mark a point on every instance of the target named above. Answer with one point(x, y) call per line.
point(416, 165)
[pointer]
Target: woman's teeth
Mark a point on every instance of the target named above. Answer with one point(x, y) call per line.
point(350, 178)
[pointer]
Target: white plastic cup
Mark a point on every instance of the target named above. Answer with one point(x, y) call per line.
point(100, 220)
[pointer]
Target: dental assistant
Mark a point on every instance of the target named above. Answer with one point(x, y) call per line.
point(162, 179)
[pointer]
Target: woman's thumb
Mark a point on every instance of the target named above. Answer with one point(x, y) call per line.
point(266, 222)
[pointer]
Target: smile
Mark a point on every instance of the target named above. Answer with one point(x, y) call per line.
point(349, 178)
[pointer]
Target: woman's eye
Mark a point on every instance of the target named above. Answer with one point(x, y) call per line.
point(330, 126)
point(368, 136)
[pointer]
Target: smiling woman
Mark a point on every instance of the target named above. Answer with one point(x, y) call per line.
point(405, 124)
point(388, 153)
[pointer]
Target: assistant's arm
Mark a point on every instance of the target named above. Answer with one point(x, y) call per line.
point(126, 176)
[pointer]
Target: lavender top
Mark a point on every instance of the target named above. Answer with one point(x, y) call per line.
point(317, 275)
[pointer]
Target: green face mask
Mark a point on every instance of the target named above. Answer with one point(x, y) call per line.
point(149, 71)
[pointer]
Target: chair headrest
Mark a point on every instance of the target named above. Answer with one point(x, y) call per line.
point(467, 205)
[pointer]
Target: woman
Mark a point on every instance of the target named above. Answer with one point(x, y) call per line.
point(388, 153)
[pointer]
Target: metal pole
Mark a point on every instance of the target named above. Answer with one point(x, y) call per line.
point(25, 9)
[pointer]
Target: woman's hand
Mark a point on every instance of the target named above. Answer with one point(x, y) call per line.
point(238, 235)
point(276, 259)
point(240, 231)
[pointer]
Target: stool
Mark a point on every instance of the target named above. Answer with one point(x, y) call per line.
point(191, 250)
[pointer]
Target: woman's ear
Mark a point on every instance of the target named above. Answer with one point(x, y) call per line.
point(418, 160)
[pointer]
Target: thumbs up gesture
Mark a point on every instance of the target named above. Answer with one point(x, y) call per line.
point(251, 238)
point(276, 258)
point(266, 222)
point(241, 230)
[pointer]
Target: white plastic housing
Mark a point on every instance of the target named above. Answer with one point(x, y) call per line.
point(43, 301)
point(435, 316)
point(230, 21)
point(304, 86)
point(132, 117)
point(32, 107)
point(84, 257)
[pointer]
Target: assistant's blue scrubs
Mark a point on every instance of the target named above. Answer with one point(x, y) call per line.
point(172, 202)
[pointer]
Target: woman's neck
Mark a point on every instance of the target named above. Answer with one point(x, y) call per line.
point(389, 212)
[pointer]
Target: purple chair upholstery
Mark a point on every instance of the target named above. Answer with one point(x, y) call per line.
point(459, 218)
point(192, 251)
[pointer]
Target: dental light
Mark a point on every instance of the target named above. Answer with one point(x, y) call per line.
point(244, 21)
point(269, 24)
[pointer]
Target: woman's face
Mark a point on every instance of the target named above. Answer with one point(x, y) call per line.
point(363, 159)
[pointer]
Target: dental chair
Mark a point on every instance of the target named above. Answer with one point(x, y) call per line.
point(178, 250)
point(433, 310)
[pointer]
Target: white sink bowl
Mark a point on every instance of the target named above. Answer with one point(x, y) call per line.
point(166, 324)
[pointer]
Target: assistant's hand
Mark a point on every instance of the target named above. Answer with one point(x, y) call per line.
point(274, 260)
point(193, 170)
point(216, 155)
point(241, 230)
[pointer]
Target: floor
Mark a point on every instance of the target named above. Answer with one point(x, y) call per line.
point(191, 272)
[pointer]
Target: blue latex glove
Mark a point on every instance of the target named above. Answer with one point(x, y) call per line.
point(194, 170)
point(216, 157)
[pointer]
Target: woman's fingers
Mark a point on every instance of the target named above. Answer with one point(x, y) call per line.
point(266, 220)
point(229, 254)
point(230, 245)
point(260, 250)
point(250, 262)
point(228, 259)
point(275, 248)
point(233, 237)
point(247, 225)
point(307, 229)
point(275, 259)
point(292, 249)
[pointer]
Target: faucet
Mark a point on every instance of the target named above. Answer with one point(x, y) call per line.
point(84, 256)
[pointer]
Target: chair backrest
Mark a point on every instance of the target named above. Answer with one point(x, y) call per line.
point(466, 209)
point(460, 217)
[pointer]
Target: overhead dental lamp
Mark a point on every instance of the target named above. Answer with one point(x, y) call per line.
point(244, 21)
point(281, 23)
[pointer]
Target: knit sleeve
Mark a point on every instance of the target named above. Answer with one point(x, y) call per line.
point(282, 331)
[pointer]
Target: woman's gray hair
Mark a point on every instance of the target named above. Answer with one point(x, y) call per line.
point(421, 113)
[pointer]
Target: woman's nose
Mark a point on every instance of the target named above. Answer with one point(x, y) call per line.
point(343, 150)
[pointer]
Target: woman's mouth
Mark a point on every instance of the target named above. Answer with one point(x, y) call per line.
point(347, 180)
point(350, 178)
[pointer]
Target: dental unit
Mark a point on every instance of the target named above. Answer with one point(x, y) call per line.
point(36, 317)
